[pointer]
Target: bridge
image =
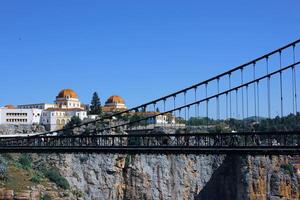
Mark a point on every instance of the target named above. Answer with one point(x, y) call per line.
point(232, 113)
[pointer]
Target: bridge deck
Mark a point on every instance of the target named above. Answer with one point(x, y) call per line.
point(157, 150)
point(190, 143)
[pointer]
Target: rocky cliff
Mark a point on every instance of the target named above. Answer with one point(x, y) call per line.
point(179, 177)
point(137, 177)
point(105, 176)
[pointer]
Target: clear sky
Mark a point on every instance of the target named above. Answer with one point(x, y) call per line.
point(137, 49)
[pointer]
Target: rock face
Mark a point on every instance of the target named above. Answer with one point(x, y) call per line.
point(137, 177)
point(20, 129)
point(174, 177)
point(254, 178)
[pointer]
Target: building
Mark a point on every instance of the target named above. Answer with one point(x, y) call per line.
point(114, 103)
point(52, 116)
point(57, 118)
point(66, 106)
point(157, 119)
point(11, 115)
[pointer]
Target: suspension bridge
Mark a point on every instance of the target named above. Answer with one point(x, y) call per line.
point(254, 93)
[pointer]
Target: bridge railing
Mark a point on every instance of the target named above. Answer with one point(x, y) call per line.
point(196, 140)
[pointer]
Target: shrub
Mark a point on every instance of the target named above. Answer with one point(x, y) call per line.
point(54, 176)
point(288, 168)
point(25, 161)
point(83, 159)
point(37, 178)
point(127, 161)
point(3, 169)
point(46, 197)
point(77, 193)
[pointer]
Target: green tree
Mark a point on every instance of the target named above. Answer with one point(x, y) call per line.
point(95, 107)
point(75, 120)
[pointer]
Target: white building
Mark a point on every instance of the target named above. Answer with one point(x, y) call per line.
point(11, 115)
point(57, 118)
point(52, 116)
point(66, 106)
point(158, 119)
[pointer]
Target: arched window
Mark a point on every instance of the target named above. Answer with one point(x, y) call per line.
point(57, 121)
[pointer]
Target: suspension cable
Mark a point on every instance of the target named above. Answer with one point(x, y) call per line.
point(281, 93)
point(258, 117)
point(247, 101)
point(206, 106)
point(242, 82)
point(218, 100)
point(295, 80)
point(184, 105)
point(226, 105)
point(165, 120)
point(268, 88)
point(174, 104)
point(230, 104)
point(237, 105)
point(188, 116)
point(254, 86)
point(195, 101)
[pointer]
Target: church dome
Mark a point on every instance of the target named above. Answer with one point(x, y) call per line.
point(115, 99)
point(67, 93)
point(9, 107)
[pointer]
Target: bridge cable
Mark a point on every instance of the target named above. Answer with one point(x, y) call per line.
point(206, 106)
point(179, 112)
point(268, 88)
point(258, 119)
point(230, 104)
point(188, 116)
point(218, 100)
point(254, 87)
point(247, 101)
point(195, 91)
point(295, 80)
point(237, 105)
point(281, 93)
point(174, 102)
point(226, 105)
point(242, 82)
point(185, 105)
point(164, 121)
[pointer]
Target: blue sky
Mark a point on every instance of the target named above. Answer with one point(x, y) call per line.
point(137, 49)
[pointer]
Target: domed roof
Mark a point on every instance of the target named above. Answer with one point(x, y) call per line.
point(115, 99)
point(9, 107)
point(67, 93)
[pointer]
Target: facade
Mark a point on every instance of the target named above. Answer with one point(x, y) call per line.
point(11, 115)
point(57, 118)
point(114, 103)
point(66, 106)
point(157, 120)
point(52, 116)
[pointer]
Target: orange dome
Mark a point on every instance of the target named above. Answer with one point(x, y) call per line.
point(67, 93)
point(115, 99)
point(9, 107)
